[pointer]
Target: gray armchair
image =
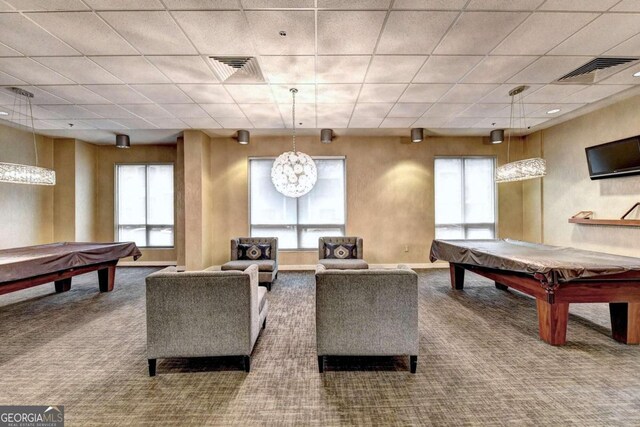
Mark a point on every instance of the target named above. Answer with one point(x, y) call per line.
point(268, 268)
point(367, 313)
point(333, 263)
point(203, 314)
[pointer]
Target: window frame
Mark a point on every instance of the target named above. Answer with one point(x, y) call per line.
point(343, 227)
point(495, 194)
point(116, 203)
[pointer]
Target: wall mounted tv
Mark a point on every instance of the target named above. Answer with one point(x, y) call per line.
point(614, 159)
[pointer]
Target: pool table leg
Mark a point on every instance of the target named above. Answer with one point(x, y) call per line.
point(625, 322)
point(106, 278)
point(552, 321)
point(457, 276)
point(63, 285)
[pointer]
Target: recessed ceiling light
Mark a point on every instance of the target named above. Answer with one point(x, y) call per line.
point(555, 110)
point(3, 113)
point(636, 74)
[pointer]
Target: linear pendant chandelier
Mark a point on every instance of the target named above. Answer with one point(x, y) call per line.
point(26, 174)
point(294, 173)
point(519, 170)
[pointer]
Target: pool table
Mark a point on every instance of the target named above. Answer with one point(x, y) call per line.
point(555, 277)
point(22, 268)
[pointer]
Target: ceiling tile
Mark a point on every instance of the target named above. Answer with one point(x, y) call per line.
point(79, 69)
point(299, 26)
point(23, 35)
point(125, 4)
point(31, 72)
point(235, 123)
point(105, 124)
point(501, 93)
point(306, 94)
point(288, 69)
point(393, 69)
point(337, 93)
point(365, 122)
point(202, 4)
point(76, 94)
point(467, 93)
point(85, 31)
point(446, 69)
point(168, 123)
point(551, 93)
point(497, 69)
point(110, 111)
point(527, 39)
point(223, 110)
point(136, 123)
point(7, 51)
point(152, 33)
point(502, 5)
point(375, 109)
point(305, 115)
point(71, 111)
point(250, 94)
point(286, 4)
point(47, 5)
point(381, 92)
point(414, 32)
point(462, 122)
point(342, 69)
point(223, 38)
point(334, 109)
point(42, 113)
point(266, 123)
point(40, 96)
point(65, 124)
point(493, 123)
point(185, 110)
point(207, 94)
point(360, 29)
point(564, 108)
point(424, 92)
point(549, 68)
point(119, 94)
point(131, 69)
point(261, 112)
point(332, 120)
point(445, 110)
point(184, 69)
point(630, 47)
point(479, 32)
point(627, 6)
point(429, 4)
point(431, 122)
point(398, 122)
point(6, 79)
point(163, 94)
point(518, 120)
point(595, 93)
point(625, 76)
point(354, 4)
point(483, 110)
point(202, 123)
point(602, 34)
point(409, 110)
point(147, 111)
point(578, 5)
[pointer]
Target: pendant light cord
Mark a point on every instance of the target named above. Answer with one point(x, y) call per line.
point(510, 131)
point(293, 114)
point(33, 130)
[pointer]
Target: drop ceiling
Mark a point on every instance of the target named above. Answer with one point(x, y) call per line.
point(369, 66)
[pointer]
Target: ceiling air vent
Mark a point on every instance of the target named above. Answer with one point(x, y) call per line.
point(237, 69)
point(596, 70)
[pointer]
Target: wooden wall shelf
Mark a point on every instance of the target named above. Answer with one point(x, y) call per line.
point(584, 217)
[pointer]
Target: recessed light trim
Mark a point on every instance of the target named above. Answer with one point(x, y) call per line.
point(553, 111)
point(3, 113)
point(636, 74)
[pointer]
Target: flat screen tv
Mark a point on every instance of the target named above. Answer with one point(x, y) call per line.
point(613, 159)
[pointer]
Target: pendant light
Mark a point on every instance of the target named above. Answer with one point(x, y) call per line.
point(26, 174)
point(519, 170)
point(294, 173)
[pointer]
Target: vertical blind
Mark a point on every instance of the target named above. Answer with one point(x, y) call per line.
point(465, 197)
point(298, 222)
point(145, 205)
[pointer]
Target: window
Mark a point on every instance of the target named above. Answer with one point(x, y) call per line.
point(144, 204)
point(465, 198)
point(298, 223)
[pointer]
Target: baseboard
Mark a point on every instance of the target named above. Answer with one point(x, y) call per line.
point(312, 267)
point(146, 263)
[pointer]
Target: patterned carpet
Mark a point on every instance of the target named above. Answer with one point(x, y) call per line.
point(480, 363)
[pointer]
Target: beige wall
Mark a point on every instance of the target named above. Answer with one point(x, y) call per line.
point(567, 188)
point(64, 205)
point(85, 197)
point(107, 157)
point(389, 191)
point(26, 211)
point(532, 194)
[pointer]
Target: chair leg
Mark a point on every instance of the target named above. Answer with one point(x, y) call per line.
point(413, 361)
point(152, 367)
point(264, 324)
point(269, 286)
point(321, 364)
point(247, 363)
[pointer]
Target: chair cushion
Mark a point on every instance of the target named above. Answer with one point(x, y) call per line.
point(340, 251)
point(344, 264)
point(262, 297)
point(254, 251)
point(263, 265)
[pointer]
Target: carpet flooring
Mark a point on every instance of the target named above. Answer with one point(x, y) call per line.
point(480, 363)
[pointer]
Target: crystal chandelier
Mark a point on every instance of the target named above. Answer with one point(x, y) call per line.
point(519, 170)
point(294, 173)
point(26, 174)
